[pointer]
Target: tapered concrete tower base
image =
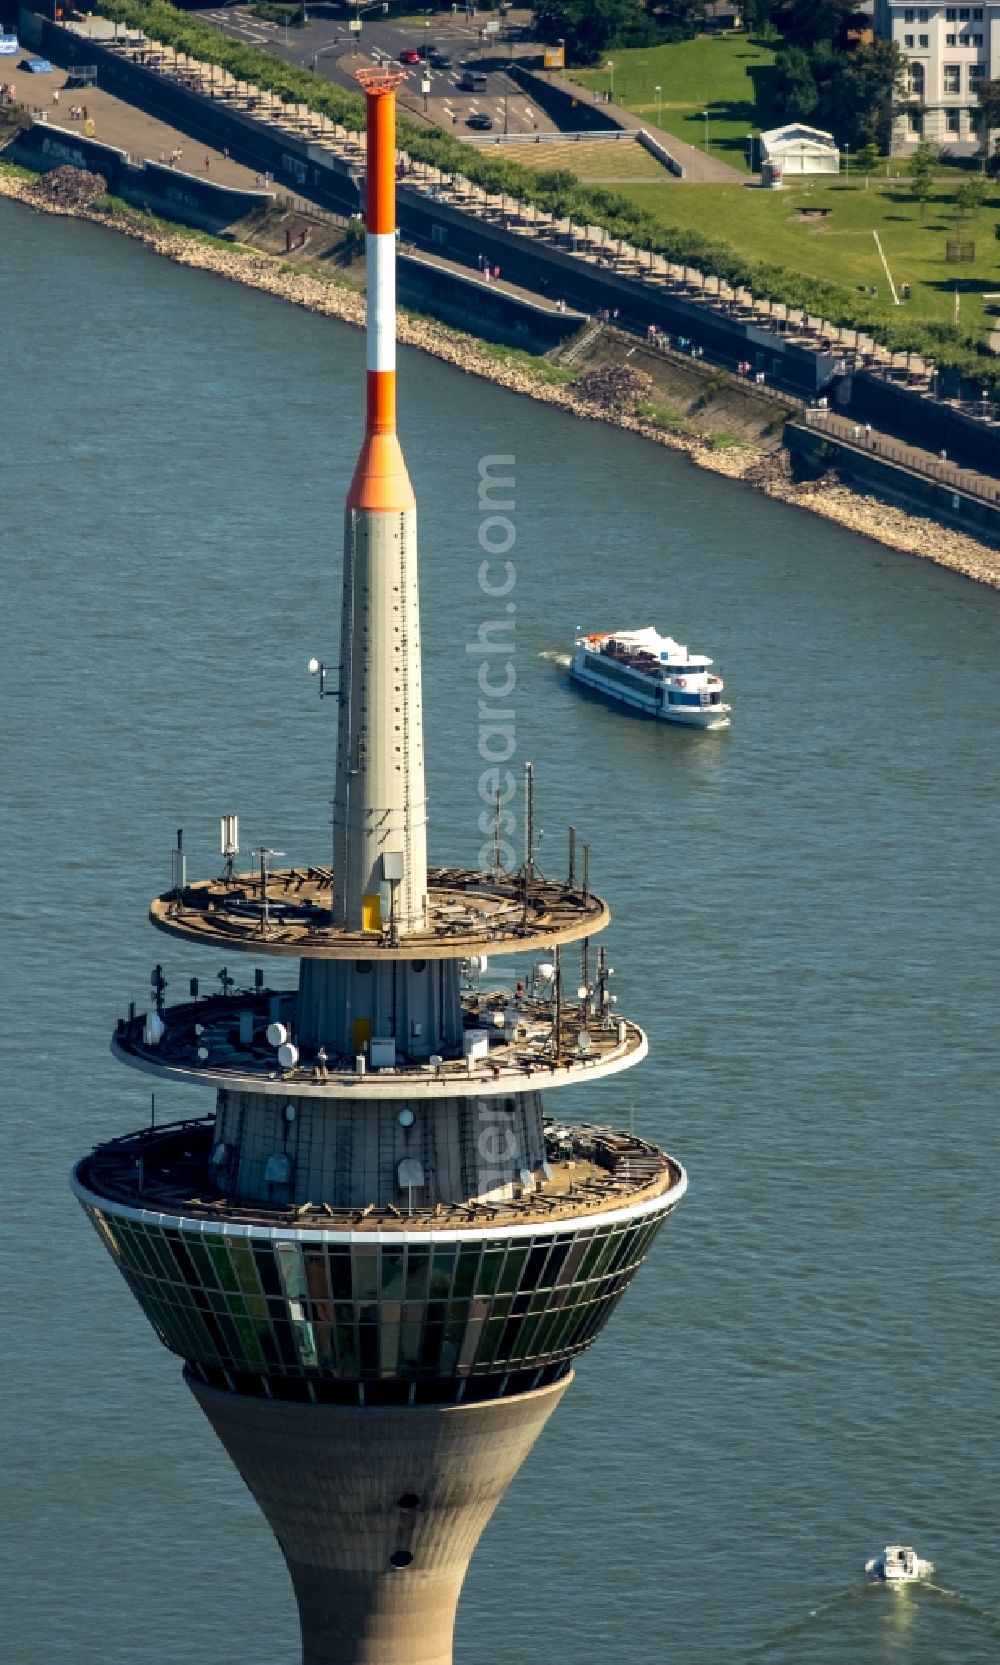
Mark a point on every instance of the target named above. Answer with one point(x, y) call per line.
point(345, 1489)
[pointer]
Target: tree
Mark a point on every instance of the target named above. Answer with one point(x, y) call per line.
point(971, 194)
point(860, 97)
point(809, 21)
point(988, 99)
point(920, 168)
point(590, 27)
point(796, 92)
point(757, 15)
point(867, 159)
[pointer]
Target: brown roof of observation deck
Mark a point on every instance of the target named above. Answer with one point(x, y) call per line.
point(593, 1170)
point(468, 913)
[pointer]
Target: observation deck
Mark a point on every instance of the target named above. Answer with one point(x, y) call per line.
point(166, 1172)
point(202, 1045)
point(290, 913)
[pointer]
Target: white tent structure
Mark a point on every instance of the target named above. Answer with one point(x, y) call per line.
point(797, 149)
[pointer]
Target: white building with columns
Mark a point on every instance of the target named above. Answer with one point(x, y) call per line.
point(949, 51)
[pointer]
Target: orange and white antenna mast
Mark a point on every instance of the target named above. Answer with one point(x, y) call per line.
point(379, 810)
point(380, 480)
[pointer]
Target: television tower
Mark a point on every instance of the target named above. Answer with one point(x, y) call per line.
point(376, 1257)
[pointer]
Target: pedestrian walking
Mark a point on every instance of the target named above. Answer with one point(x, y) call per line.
point(55, 95)
point(208, 163)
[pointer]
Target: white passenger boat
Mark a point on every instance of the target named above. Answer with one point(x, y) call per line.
point(651, 673)
point(898, 1564)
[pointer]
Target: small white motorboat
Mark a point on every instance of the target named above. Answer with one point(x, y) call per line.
point(898, 1564)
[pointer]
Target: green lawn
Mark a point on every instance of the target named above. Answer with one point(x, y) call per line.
point(717, 73)
point(838, 246)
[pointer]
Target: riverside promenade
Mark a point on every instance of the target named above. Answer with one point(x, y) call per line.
point(124, 126)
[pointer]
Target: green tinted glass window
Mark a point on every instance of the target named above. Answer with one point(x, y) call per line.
point(600, 1245)
point(223, 1265)
point(465, 1271)
point(392, 1274)
point(417, 1269)
point(489, 1271)
point(409, 1346)
point(248, 1341)
point(442, 1270)
point(365, 1263)
point(246, 1272)
point(512, 1268)
point(203, 1262)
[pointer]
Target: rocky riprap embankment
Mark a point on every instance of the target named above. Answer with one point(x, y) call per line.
point(610, 394)
point(68, 189)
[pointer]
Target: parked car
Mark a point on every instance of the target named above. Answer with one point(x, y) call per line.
point(482, 123)
point(409, 56)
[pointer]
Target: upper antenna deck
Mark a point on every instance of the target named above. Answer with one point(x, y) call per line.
point(378, 78)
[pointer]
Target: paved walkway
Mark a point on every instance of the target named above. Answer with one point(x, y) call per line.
point(935, 466)
point(143, 137)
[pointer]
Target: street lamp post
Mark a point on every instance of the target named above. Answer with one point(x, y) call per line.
point(705, 114)
point(750, 139)
point(847, 161)
point(610, 67)
point(659, 104)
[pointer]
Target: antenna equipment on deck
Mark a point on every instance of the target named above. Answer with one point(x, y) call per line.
point(531, 843)
point(316, 667)
point(178, 866)
point(265, 913)
point(229, 840)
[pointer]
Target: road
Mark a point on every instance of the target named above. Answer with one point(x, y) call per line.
point(329, 47)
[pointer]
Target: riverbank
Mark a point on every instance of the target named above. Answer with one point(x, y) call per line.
point(763, 468)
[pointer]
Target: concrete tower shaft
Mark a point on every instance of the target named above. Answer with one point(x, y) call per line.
point(377, 1510)
point(380, 811)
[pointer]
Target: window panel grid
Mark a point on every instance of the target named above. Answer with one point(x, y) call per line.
point(384, 1310)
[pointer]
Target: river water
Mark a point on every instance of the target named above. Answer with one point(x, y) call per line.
point(805, 919)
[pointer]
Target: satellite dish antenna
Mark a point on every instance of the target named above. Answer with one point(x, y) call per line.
point(277, 1034)
point(290, 1111)
point(406, 1118)
point(155, 1029)
point(288, 1055)
point(203, 1053)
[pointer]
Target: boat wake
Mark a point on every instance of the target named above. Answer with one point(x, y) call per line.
point(862, 1591)
point(854, 1592)
point(969, 1606)
point(553, 657)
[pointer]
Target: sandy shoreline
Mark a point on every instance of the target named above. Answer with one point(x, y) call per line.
point(763, 470)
